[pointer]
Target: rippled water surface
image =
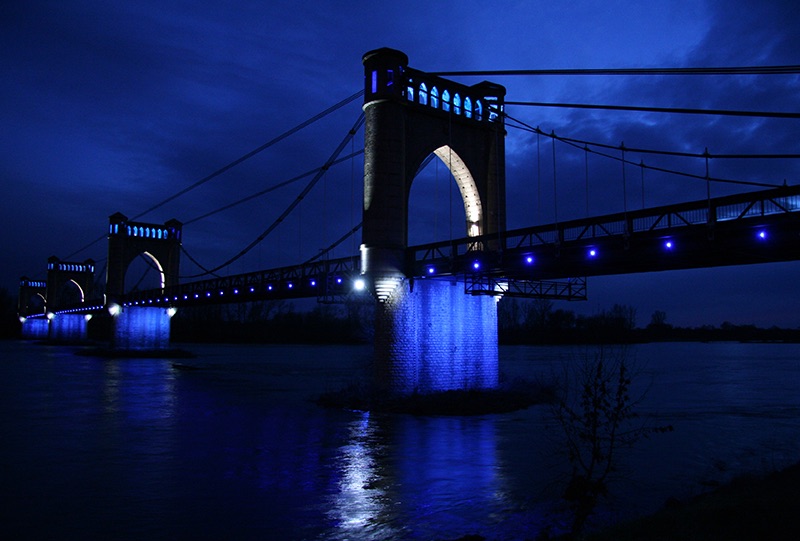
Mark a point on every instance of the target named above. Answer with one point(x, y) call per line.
point(236, 448)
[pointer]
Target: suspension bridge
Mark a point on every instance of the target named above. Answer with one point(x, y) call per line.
point(436, 315)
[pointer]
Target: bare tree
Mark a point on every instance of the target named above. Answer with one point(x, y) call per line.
point(596, 412)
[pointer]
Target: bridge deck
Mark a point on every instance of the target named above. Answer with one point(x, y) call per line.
point(756, 227)
point(546, 260)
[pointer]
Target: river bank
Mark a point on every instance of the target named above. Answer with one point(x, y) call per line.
point(750, 507)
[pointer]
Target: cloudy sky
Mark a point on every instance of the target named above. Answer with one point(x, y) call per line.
point(117, 106)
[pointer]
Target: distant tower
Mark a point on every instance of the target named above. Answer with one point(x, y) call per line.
point(65, 277)
point(140, 327)
point(32, 297)
point(127, 240)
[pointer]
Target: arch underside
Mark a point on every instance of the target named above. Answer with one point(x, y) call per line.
point(153, 262)
point(76, 284)
point(32, 301)
point(470, 196)
point(68, 287)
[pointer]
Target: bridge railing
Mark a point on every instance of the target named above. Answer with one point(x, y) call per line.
point(331, 279)
point(707, 212)
point(323, 279)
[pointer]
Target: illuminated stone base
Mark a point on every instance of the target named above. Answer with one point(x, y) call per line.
point(68, 327)
point(35, 329)
point(434, 337)
point(141, 328)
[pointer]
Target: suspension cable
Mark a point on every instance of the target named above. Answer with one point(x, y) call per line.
point(555, 184)
point(641, 165)
point(269, 189)
point(79, 250)
point(586, 168)
point(526, 127)
point(747, 70)
point(624, 184)
point(335, 244)
point(538, 174)
point(193, 260)
point(100, 275)
point(234, 163)
point(573, 143)
point(352, 186)
point(294, 203)
point(150, 266)
point(253, 152)
point(675, 110)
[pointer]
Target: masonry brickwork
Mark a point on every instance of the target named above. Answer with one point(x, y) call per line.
point(141, 328)
point(433, 337)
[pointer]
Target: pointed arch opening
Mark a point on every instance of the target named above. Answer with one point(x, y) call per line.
point(69, 294)
point(473, 208)
point(430, 195)
point(144, 272)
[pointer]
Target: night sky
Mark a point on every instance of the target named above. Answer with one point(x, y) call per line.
point(116, 106)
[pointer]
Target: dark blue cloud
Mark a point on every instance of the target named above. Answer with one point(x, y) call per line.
point(116, 106)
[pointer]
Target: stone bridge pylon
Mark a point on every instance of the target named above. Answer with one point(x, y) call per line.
point(430, 335)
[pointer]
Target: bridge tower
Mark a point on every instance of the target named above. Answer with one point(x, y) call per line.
point(69, 285)
point(430, 335)
point(140, 327)
point(31, 308)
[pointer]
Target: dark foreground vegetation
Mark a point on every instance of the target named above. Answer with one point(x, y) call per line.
point(750, 507)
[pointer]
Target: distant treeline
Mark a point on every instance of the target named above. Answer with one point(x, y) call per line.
point(520, 321)
point(536, 322)
point(274, 322)
point(9, 324)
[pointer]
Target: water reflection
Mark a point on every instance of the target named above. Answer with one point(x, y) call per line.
point(139, 390)
point(361, 504)
point(134, 449)
point(403, 476)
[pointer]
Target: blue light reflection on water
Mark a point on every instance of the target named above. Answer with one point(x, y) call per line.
point(134, 448)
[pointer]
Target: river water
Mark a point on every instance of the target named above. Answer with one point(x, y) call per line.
point(137, 449)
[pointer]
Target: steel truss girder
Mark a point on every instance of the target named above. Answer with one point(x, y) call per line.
point(571, 289)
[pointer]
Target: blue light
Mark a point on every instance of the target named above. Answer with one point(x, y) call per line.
point(313, 283)
point(291, 285)
point(592, 252)
point(269, 287)
point(762, 234)
point(235, 291)
point(431, 270)
point(338, 280)
point(668, 244)
point(529, 260)
point(476, 265)
point(252, 290)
